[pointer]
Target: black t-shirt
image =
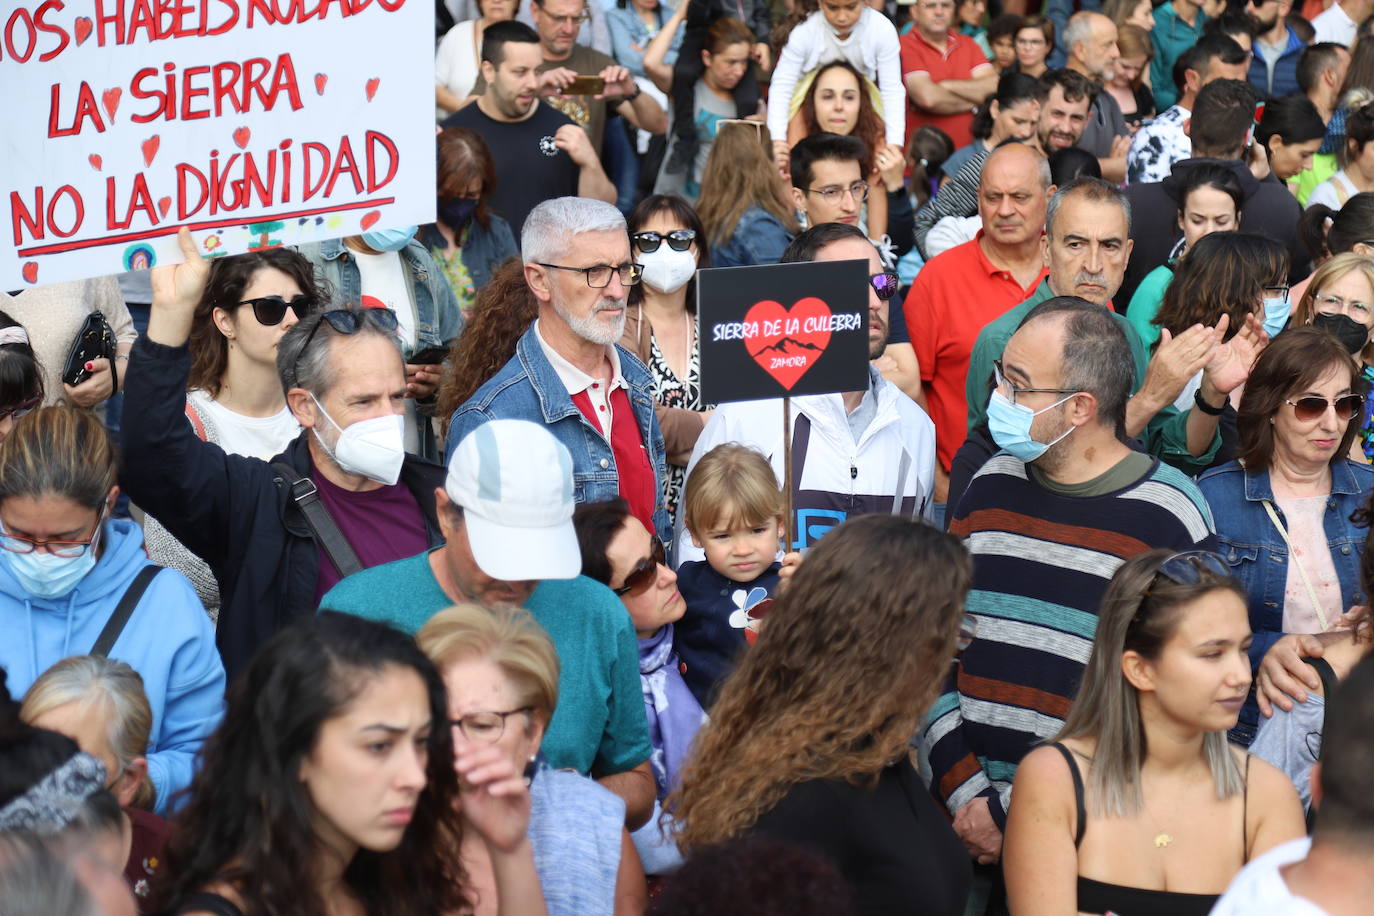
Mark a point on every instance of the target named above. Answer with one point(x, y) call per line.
point(529, 168)
point(892, 844)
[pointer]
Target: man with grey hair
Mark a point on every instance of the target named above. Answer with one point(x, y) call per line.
point(1086, 245)
point(1047, 521)
point(1090, 41)
point(343, 496)
point(569, 373)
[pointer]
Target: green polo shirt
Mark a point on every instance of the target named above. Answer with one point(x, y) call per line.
point(1165, 436)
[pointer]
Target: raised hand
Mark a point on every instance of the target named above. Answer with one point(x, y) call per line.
point(492, 794)
point(177, 289)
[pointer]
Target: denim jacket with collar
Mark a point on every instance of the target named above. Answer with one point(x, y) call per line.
point(528, 388)
point(1258, 557)
point(438, 319)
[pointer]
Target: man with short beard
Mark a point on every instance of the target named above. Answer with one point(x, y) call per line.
point(568, 373)
point(1274, 68)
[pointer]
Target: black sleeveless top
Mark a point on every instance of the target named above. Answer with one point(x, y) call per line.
point(1100, 897)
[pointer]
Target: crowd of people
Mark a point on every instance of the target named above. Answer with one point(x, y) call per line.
point(411, 572)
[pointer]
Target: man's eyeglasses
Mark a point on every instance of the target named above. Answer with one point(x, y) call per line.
point(270, 310)
point(1335, 305)
point(577, 20)
point(346, 321)
point(1312, 407)
point(599, 277)
point(487, 727)
point(678, 240)
point(1006, 384)
point(23, 408)
point(833, 194)
point(645, 572)
point(18, 543)
point(884, 284)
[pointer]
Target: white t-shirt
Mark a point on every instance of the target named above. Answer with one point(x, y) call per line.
point(255, 437)
point(455, 63)
point(1259, 890)
point(1334, 191)
point(383, 280)
point(1335, 25)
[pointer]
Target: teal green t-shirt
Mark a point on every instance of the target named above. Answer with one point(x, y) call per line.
point(598, 727)
point(1149, 296)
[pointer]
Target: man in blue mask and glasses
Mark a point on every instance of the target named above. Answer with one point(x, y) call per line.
point(1048, 520)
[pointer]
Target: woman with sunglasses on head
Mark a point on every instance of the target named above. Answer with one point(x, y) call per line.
point(234, 396)
point(21, 378)
point(66, 567)
point(333, 787)
point(810, 738)
point(501, 674)
point(1282, 510)
point(620, 553)
point(1140, 806)
point(660, 324)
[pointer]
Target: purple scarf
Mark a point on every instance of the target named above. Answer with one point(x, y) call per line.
point(673, 713)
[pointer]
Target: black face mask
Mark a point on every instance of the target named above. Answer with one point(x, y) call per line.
point(1352, 335)
point(456, 212)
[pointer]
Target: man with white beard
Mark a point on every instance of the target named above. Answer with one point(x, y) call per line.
point(568, 373)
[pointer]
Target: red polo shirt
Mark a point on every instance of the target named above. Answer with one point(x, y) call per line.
point(959, 59)
point(954, 296)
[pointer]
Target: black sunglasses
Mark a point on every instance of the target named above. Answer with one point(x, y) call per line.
point(884, 284)
point(1311, 407)
point(645, 571)
point(270, 310)
point(678, 240)
point(1186, 568)
point(346, 321)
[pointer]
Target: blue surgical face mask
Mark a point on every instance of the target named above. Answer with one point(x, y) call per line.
point(1276, 312)
point(1010, 425)
point(46, 575)
point(390, 239)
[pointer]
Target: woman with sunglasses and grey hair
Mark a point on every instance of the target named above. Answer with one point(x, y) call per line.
point(1139, 805)
point(1282, 510)
point(234, 397)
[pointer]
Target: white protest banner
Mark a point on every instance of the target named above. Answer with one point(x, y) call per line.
point(255, 122)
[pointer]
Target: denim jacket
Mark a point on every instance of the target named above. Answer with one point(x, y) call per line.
point(484, 249)
point(438, 320)
point(759, 238)
point(1258, 557)
point(528, 388)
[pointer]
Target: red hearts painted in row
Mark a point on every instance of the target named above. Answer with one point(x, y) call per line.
point(95, 161)
point(241, 136)
point(372, 85)
point(83, 29)
point(320, 80)
point(30, 271)
point(110, 99)
point(163, 205)
point(788, 344)
point(150, 149)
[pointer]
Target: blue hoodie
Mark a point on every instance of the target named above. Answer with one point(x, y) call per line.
point(168, 640)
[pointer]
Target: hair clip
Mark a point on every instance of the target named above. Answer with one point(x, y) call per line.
point(14, 334)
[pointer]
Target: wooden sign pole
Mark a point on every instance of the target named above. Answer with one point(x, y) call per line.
point(791, 522)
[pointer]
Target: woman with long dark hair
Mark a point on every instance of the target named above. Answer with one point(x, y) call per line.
point(330, 788)
point(809, 740)
point(21, 378)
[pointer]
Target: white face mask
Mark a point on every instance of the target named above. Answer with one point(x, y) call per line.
point(667, 270)
point(372, 448)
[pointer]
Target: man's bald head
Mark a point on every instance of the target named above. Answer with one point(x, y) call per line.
point(1013, 193)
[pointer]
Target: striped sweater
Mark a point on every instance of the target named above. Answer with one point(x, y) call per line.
point(1041, 563)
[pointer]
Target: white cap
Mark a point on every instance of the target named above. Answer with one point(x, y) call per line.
point(513, 480)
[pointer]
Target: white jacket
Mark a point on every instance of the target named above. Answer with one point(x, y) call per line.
point(878, 56)
point(898, 445)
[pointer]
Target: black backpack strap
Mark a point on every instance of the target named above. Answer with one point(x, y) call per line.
point(115, 625)
point(326, 530)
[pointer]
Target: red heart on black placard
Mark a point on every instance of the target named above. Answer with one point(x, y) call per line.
point(787, 342)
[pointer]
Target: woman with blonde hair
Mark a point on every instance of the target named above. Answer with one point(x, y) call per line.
point(501, 673)
point(100, 704)
point(1127, 84)
point(809, 740)
point(1139, 805)
point(1339, 299)
point(745, 208)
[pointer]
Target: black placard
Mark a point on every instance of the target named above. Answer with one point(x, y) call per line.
point(783, 329)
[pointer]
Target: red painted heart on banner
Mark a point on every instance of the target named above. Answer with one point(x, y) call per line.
point(95, 161)
point(788, 341)
point(370, 218)
point(372, 85)
point(320, 80)
point(110, 99)
point(83, 29)
point(163, 205)
point(150, 149)
point(241, 136)
point(30, 271)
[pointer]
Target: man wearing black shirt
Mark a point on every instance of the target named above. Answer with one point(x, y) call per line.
point(539, 153)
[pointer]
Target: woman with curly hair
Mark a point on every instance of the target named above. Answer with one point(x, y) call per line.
point(332, 787)
point(503, 310)
point(809, 739)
